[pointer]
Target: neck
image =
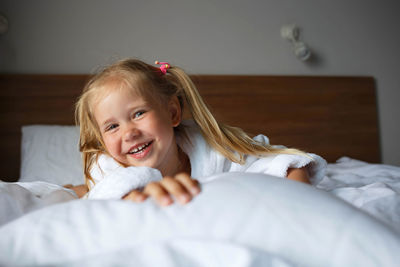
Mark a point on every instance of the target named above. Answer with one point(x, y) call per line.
point(182, 165)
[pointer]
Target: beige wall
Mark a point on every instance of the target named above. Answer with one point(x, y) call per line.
point(359, 37)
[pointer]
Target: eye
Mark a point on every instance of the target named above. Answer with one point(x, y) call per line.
point(138, 114)
point(111, 127)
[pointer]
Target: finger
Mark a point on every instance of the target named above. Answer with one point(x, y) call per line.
point(176, 189)
point(135, 196)
point(191, 185)
point(156, 191)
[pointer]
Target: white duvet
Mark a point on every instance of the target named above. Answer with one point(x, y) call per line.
point(238, 220)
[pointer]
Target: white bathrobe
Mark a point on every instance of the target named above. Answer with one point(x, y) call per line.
point(113, 181)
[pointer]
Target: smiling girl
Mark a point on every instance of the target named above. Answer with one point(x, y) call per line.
point(131, 112)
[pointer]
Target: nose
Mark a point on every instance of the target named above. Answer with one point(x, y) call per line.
point(131, 132)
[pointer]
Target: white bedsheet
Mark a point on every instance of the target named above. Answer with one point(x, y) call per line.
point(374, 188)
point(238, 220)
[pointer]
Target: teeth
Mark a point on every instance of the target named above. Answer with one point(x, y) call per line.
point(139, 148)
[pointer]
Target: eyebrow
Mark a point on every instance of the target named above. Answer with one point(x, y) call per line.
point(108, 121)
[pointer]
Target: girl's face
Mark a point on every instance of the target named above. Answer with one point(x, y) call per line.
point(137, 132)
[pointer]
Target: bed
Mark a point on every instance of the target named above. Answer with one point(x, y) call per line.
point(350, 217)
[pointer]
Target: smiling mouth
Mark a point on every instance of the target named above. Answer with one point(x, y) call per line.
point(140, 148)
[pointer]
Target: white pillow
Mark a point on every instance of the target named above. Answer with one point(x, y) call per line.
point(50, 153)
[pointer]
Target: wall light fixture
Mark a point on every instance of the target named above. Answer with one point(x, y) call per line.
point(291, 33)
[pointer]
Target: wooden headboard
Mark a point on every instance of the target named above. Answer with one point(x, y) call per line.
point(330, 116)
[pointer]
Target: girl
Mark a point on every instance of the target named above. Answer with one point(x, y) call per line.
point(131, 112)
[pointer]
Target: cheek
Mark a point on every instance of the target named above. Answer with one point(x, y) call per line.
point(112, 144)
point(161, 126)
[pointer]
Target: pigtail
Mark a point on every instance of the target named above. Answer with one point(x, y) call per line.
point(231, 142)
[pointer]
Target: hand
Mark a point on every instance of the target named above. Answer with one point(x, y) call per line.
point(181, 187)
point(80, 190)
point(300, 175)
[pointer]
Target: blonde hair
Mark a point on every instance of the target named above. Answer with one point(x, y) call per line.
point(231, 142)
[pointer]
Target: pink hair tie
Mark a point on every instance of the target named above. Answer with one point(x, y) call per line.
point(164, 66)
